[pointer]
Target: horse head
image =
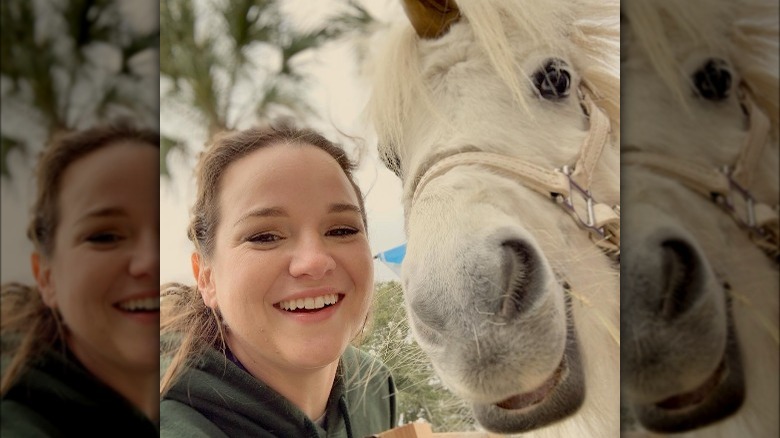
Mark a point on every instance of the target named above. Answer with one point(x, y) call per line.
point(502, 120)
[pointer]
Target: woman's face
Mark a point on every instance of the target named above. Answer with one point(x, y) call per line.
point(291, 271)
point(103, 274)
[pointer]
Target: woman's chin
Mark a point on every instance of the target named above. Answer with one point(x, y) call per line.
point(139, 353)
point(313, 357)
point(141, 359)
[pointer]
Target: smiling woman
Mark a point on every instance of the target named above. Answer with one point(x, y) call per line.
point(82, 347)
point(284, 281)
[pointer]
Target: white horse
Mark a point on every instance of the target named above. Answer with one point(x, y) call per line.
point(479, 105)
point(699, 314)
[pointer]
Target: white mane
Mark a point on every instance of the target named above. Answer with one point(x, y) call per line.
point(580, 30)
point(744, 31)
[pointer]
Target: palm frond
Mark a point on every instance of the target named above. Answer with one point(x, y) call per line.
point(9, 145)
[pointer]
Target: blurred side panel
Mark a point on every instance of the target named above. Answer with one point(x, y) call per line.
point(699, 197)
point(67, 65)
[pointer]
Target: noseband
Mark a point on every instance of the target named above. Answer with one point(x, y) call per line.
point(729, 185)
point(567, 186)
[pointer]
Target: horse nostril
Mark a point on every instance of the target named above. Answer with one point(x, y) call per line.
point(682, 277)
point(521, 277)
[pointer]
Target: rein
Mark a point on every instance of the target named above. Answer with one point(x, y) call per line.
point(568, 186)
point(729, 185)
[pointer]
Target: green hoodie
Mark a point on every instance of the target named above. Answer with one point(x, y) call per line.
point(218, 398)
point(58, 397)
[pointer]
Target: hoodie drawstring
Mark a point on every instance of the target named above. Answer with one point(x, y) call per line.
point(345, 414)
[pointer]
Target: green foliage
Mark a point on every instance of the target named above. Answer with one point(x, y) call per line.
point(209, 52)
point(421, 394)
point(54, 80)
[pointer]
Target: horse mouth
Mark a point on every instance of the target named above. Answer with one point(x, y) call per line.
point(718, 397)
point(558, 397)
point(697, 395)
point(536, 396)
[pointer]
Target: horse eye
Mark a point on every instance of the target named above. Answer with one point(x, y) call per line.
point(552, 80)
point(713, 80)
point(391, 161)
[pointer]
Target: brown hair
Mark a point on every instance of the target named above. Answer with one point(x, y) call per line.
point(27, 324)
point(187, 325)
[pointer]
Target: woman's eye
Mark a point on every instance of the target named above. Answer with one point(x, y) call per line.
point(264, 238)
point(104, 238)
point(342, 232)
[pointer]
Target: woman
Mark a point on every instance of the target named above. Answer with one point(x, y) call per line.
point(284, 282)
point(83, 358)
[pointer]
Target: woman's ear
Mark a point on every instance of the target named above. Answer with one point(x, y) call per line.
point(42, 273)
point(205, 280)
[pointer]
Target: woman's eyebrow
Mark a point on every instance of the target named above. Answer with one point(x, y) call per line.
point(341, 207)
point(102, 212)
point(280, 212)
point(262, 212)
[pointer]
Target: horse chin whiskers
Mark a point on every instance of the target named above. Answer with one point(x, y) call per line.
point(558, 396)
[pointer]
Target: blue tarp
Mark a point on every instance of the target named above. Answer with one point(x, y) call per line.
point(393, 257)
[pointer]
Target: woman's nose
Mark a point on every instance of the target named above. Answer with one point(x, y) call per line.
point(311, 258)
point(145, 259)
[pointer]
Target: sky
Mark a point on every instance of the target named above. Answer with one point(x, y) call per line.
point(336, 91)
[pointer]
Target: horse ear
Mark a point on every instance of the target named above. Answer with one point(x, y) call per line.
point(431, 18)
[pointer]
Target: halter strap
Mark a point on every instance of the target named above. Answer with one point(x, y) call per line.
point(561, 185)
point(729, 185)
point(750, 153)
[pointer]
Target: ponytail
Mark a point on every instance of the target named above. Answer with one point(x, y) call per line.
point(187, 328)
point(27, 326)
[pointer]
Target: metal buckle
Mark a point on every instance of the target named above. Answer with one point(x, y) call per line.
point(568, 205)
point(726, 202)
point(583, 105)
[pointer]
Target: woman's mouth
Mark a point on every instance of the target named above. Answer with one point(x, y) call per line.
point(309, 304)
point(140, 305)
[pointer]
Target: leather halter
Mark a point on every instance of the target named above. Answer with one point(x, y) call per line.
point(568, 186)
point(728, 186)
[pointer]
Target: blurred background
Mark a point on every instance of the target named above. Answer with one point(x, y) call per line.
point(66, 65)
point(700, 347)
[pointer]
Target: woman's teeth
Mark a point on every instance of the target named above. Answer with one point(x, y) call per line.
point(141, 304)
point(310, 303)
